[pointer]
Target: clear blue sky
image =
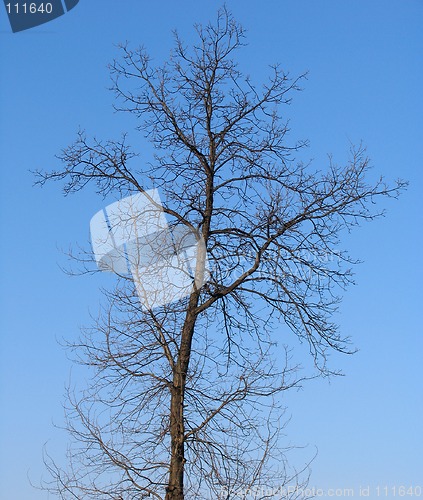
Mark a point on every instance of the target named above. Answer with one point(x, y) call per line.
point(365, 63)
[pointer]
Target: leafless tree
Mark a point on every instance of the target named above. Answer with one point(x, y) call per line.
point(185, 399)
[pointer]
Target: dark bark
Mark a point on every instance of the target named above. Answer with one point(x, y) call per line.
point(175, 488)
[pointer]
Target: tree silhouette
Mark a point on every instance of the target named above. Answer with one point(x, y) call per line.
point(185, 401)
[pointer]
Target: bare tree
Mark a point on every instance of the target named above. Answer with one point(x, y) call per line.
point(185, 400)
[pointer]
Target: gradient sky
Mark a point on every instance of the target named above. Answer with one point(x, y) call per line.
point(365, 64)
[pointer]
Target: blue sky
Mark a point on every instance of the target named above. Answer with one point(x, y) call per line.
point(365, 78)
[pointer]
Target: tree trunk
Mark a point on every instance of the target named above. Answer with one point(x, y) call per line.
point(175, 487)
